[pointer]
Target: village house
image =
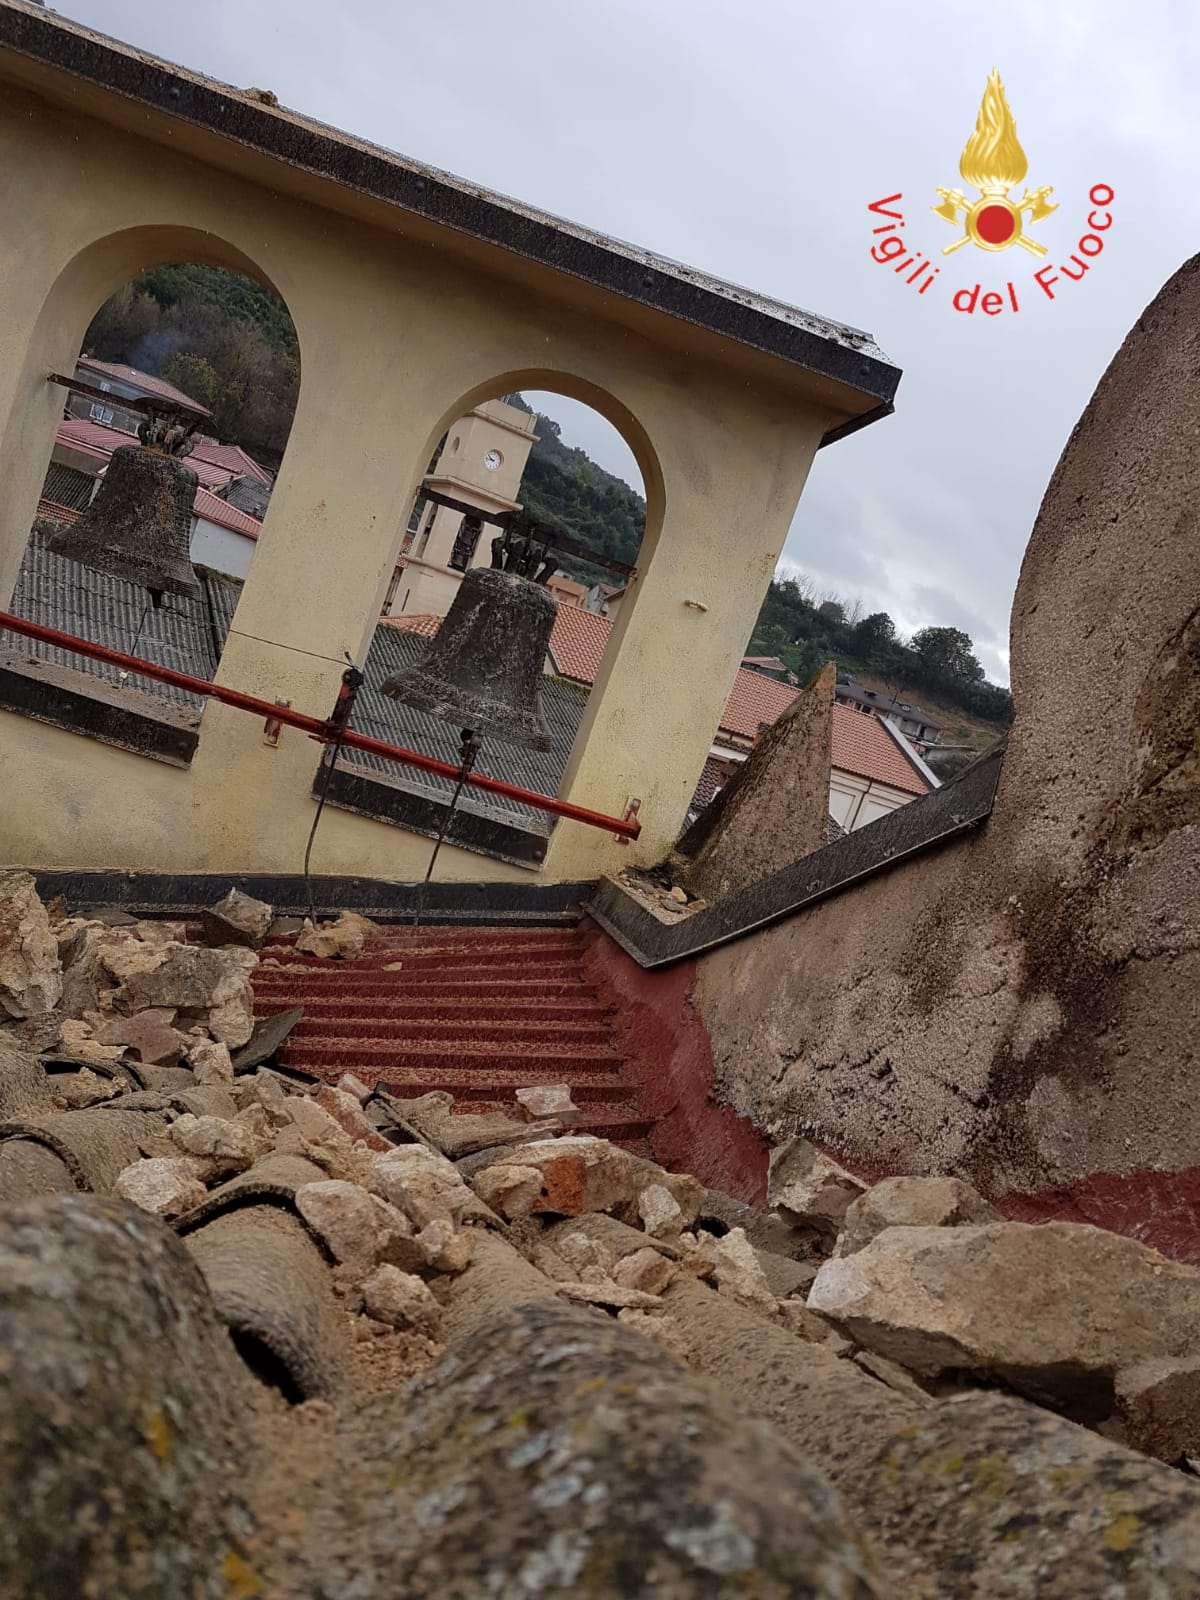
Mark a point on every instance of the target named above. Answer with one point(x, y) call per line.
point(913, 722)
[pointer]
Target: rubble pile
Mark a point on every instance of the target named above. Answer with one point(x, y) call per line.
point(267, 1336)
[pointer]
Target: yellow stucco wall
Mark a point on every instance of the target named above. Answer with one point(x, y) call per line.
point(402, 328)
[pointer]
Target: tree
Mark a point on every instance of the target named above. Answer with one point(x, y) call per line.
point(833, 612)
point(195, 376)
point(875, 634)
point(947, 653)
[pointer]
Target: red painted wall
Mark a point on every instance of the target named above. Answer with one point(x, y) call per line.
point(669, 1052)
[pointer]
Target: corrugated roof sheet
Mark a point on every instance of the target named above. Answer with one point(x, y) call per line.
point(754, 701)
point(62, 594)
point(381, 717)
point(94, 439)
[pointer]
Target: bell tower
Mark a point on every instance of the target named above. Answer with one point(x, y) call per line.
point(481, 464)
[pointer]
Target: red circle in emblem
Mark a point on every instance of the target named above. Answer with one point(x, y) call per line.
point(996, 224)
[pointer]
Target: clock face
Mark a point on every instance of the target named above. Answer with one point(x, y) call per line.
point(492, 460)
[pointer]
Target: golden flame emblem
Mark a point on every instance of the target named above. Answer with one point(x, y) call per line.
point(993, 162)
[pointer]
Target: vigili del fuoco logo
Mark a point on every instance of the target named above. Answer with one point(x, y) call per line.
point(990, 218)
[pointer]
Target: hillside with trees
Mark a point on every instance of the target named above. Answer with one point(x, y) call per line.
point(937, 667)
point(564, 488)
point(227, 342)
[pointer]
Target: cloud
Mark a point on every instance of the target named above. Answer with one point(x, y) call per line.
point(749, 141)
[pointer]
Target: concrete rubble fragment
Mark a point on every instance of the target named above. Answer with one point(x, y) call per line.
point(548, 1100)
point(344, 939)
point(30, 969)
point(147, 1036)
point(224, 1147)
point(165, 1185)
point(1057, 1311)
point(360, 1229)
point(807, 1186)
point(401, 1300)
point(237, 919)
point(911, 1203)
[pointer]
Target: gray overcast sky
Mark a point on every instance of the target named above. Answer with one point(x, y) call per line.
point(747, 137)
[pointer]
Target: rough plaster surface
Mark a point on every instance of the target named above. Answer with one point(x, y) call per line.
point(775, 808)
point(1020, 1008)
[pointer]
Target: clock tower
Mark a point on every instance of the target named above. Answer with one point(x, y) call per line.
point(480, 464)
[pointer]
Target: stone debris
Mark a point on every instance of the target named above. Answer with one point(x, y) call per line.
point(75, 1091)
point(147, 1036)
point(360, 1229)
point(237, 919)
point(224, 1147)
point(511, 1191)
point(911, 1203)
point(601, 1292)
point(1057, 1311)
point(346, 1110)
point(425, 1186)
point(79, 1042)
point(342, 940)
point(401, 1300)
point(660, 1212)
point(210, 1060)
point(167, 1186)
point(30, 969)
point(809, 1187)
point(647, 1270)
point(578, 1173)
point(346, 1259)
point(548, 1100)
point(738, 1273)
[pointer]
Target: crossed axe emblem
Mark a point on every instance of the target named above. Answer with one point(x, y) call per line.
point(1035, 201)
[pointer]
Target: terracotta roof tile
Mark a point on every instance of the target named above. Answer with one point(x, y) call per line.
point(229, 458)
point(755, 700)
point(578, 642)
point(94, 439)
point(862, 745)
point(420, 622)
point(213, 509)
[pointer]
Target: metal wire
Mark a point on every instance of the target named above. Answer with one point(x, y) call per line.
point(470, 749)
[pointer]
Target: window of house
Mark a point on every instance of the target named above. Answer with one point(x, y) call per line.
point(99, 413)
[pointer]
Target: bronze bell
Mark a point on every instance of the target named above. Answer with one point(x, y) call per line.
point(483, 669)
point(139, 525)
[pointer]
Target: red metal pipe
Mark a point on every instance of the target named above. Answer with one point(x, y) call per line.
point(316, 727)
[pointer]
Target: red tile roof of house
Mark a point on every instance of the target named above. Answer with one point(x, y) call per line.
point(94, 439)
point(214, 464)
point(143, 380)
point(578, 642)
point(56, 513)
point(230, 458)
point(753, 701)
point(213, 509)
point(421, 622)
point(861, 745)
